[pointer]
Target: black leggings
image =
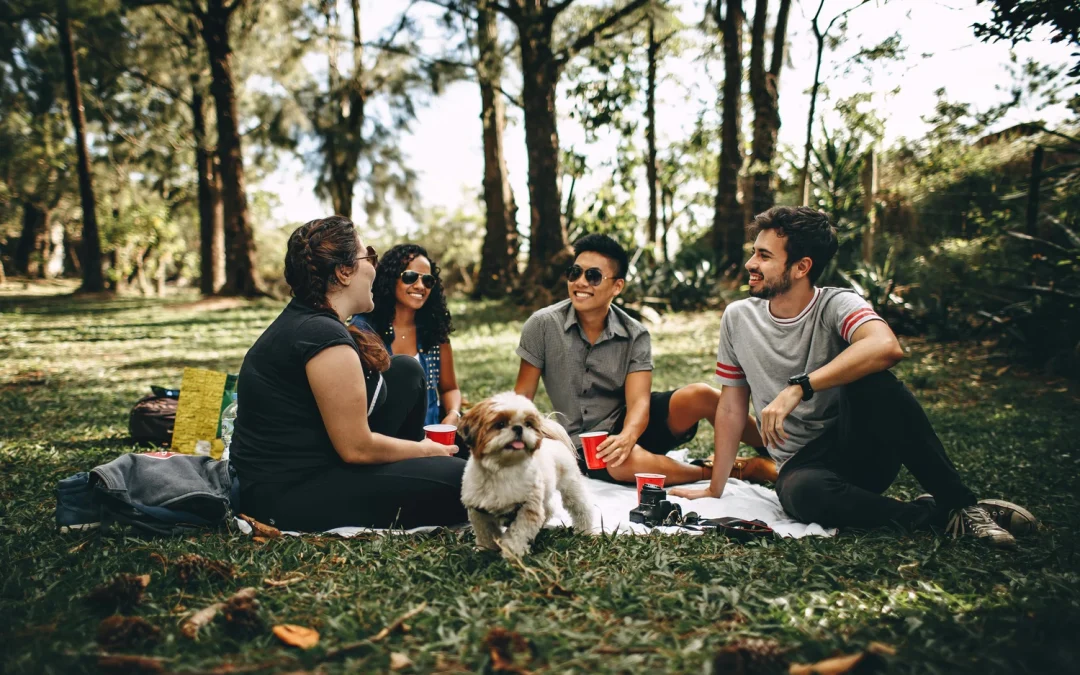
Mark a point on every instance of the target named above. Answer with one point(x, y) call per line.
point(837, 479)
point(406, 494)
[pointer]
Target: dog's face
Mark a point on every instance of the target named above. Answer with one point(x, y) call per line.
point(503, 430)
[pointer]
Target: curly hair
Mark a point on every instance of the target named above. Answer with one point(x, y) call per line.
point(808, 232)
point(433, 323)
point(315, 251)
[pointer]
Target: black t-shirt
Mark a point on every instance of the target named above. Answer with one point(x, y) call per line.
point(280, 436)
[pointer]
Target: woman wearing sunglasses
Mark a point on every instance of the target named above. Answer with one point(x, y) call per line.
point(411, 317)
point(330, 427)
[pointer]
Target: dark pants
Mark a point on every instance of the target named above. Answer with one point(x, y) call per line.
point(406, 494)
point(837, 479)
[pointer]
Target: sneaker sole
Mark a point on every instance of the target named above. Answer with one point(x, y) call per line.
point(65, 529)
point(1021, 521)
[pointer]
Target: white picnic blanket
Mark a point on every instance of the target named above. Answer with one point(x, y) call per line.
point(612, 504)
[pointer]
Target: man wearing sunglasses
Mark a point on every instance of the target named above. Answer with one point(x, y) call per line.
point(596, 363)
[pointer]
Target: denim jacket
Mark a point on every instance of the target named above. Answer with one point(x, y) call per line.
point(430, 360)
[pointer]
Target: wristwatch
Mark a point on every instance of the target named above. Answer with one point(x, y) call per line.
point(803, 380)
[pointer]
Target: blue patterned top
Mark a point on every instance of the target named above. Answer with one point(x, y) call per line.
point(430, 360)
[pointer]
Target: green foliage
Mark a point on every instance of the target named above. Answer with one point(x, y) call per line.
point(1016, 19)
point(71, 368)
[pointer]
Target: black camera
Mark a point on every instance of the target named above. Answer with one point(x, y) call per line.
point(654, 510)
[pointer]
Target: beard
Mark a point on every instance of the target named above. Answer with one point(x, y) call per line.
point(771, 288)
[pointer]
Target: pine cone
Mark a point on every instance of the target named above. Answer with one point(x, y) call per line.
point(191, 566)
point(750, 657)
point(120, 594)
point(124, 632)
point(242, 617)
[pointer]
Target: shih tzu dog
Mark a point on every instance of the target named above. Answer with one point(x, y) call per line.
point(518, 459)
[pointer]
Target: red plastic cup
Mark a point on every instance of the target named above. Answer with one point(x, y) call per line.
point(590, 441)
point(441, 433)
point(644, 479)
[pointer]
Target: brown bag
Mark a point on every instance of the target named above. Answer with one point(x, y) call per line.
point(152, 420)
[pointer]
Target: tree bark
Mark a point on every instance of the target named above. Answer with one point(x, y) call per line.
point(211, 220)
point(547, 230)
point(34, 224)
point(498, 262)
point(93, 280)
point(765, 95)
point(650, 130)
point(241, 272)
point(728, 227)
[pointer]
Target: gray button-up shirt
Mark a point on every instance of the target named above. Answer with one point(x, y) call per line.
point(586, 382)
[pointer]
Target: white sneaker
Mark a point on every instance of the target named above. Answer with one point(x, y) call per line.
point(975, 521)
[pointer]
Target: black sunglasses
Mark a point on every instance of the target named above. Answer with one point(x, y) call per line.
point(594, 275)
point(409, 277)
point(371, 255)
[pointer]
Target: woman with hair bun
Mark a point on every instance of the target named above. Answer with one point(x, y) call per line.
point(411, 317)
point(329, 431)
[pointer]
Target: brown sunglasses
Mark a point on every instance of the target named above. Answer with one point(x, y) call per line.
point(372, 255)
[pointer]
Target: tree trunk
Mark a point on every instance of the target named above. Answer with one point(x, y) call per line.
point(547, 231)
point(93, 280)
point(869, 178)
point(342, 139)
point(765, 94)
point(666, 199)
point(35, 222)
point(498, 262)
point(211, 225)
point(804, 175)
point(728, 227)
point(241, 273)
point(650, 130)
point(53, 266)
point(757, 96)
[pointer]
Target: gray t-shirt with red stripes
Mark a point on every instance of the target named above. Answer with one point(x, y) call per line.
point(761, 351)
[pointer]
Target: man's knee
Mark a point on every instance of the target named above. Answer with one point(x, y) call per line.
point(699, 397)
point(808, 495)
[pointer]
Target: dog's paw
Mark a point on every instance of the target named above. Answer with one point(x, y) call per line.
point(514, 551)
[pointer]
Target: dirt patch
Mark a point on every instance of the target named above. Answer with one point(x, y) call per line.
point(209, 305)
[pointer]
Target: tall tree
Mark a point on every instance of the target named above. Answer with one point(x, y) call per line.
point(93, 280)
point(765, 96)
point(211, 214)
point(819, 37)
point(542, 63)
point(652, 51)
point(241, 273)
point(728, 227)
point(498, 260)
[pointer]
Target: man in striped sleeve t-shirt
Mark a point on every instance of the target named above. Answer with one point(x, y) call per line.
point(816, 363)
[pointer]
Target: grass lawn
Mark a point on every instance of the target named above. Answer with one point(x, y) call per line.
point(71, 368)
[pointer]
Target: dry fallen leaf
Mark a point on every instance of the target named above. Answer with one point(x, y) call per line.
point(260, 529)
point(505, 646)
point(297, 636)
point(399, 661)
point(870, 661)
point(283, 582)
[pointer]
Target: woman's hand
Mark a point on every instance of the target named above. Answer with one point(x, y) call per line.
point(692, 493)
point(430, 448)
point(452, 418)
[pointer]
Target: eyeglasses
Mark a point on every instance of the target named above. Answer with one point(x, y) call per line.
point(371, 255)
point(409, 277)
point(594, 275)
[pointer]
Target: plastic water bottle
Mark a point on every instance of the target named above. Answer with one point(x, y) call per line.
point(228, 423)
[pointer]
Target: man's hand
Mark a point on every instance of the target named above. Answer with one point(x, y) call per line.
point(692, 493)
point(452, 418)
point(615, 449)
point(774, 414)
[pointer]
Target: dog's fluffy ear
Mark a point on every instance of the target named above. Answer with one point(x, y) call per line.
point(549, 428)
point(466, 432)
